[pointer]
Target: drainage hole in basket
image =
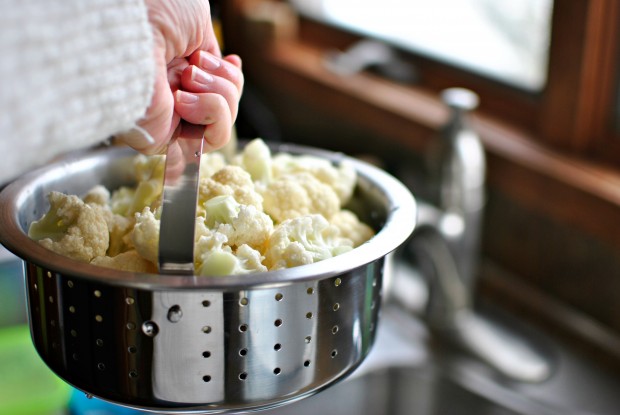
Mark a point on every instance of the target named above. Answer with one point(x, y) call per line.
point(98, 318)
point(373, 305)
point(278, 322)
point(35, 286)
point(132, 349)
point(277, 347)
point(206, 329)
point(277, 371)
point(243, 302)
point(337, 282)
point(50, 299)
point(279, 296)
point(243, 328)
point(73, 333)
point(310, 291)
point(206, 354)
point(374, 283)
point(308, 339)
point(175, 313)
point(53, 323)
point(49, 274)
point(131, 326)
point(308, 315)
point(133, 374)
point(243, 376)
point(97, 293)
point(70, 284)
point(243, 352)
point(150, 328)
point(306, 363)
point(99, 342)
point(72, 309)
point(100, 366)
point(206, 303)
point(334, 353)
point(206, 378)
point(336, 307)
point(129, 300)
point(335, 329)
point(75, 356)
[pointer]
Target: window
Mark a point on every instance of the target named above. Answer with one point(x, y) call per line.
point(507, 41)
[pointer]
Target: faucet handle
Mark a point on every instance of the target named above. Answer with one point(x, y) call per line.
point(460, 98)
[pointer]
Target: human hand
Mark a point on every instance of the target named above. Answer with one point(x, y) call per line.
point(194, 83)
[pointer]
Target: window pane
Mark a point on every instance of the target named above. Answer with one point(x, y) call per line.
point(505, 40)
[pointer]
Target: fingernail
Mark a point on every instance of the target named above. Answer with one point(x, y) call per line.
point(208, 61)
point(183, 97)
point(200, 76)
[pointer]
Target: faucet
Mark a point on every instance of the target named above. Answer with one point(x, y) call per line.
point(445, 249)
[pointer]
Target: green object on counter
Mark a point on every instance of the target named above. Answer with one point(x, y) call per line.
point(27, 385)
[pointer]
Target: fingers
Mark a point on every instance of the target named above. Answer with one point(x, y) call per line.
point(196, 80)
point(228, 68)
point(209, 109)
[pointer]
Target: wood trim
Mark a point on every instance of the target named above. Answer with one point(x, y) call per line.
point(580, 95)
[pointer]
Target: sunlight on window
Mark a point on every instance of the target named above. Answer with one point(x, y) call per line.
point(506, 40)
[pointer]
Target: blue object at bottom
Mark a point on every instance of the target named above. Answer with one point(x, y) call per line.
point(81, 405)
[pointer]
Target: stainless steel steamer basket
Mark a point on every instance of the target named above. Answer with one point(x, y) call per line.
point(197, 344)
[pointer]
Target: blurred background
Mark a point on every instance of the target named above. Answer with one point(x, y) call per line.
point(366, 78)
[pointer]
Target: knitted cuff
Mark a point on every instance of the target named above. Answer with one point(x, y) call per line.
point(72, 73)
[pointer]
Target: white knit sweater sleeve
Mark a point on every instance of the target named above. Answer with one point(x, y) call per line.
point(72, 73)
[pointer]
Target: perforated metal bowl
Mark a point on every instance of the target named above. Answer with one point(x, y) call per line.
point(197, 344)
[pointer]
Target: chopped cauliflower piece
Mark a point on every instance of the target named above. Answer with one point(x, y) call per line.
point(304, 240)
point(71, 228)
point(126, 261)
point(234, 181)
point(256, 160)
point(341, 178)
point(149, 173)
point(351, 227)
point(242, 224)
point(145, 235)
point(298, 194)
point(214, 258)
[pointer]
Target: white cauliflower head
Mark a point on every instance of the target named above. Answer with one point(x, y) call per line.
point(304, 240)
point(72, 228)
point(341, 178)
point(214, 258)
point(145, 235)
point(233, 181)
point(299, 194)
point(242, 224)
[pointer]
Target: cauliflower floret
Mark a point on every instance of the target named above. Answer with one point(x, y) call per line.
point(304, 240)
point(118, 226)
point(126, 261)
point(145, 235)
point(234, 181)
point(256, 160)
point(214, 258)
point(71, 228)
point(149, 173)
point(341, 178)
point(299, 194)
point(351, 227)
point(242, 224)
point(210, 163)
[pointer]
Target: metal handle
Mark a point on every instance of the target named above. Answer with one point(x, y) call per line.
point(180, 195)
